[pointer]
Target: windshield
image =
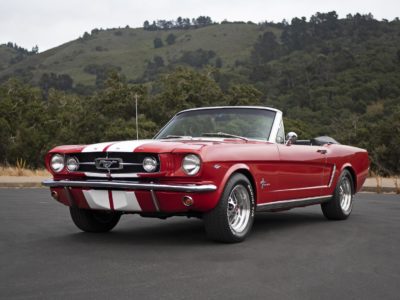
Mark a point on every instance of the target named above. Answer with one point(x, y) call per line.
point(241, 122)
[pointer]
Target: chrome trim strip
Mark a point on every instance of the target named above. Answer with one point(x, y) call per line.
point(275, 127)
point(132, 164)
point(122, 164)
point(284, 204)
point(230, 106)
point(190, 188)
point(301, 189)
point(332, 175)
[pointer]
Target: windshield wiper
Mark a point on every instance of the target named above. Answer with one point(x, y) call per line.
point(223, 134)
point(171, 136)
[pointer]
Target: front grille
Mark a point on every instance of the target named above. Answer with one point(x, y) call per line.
point(123, 162)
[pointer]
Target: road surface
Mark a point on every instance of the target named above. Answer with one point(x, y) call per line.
point(290, 255)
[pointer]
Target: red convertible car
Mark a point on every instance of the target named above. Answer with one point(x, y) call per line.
point(221, 164)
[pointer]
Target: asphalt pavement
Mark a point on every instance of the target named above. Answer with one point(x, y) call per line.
point(289, 255)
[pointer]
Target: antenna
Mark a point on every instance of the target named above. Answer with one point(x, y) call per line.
point(137, 125)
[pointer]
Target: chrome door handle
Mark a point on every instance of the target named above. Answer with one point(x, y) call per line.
point(322, 151)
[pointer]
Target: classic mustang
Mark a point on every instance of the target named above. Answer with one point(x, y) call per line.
point(221, 164)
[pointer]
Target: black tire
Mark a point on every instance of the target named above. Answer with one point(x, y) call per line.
point(223, 228)
point(94, 220)
point(339, 208)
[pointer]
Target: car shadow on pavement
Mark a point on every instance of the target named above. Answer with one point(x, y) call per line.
point(182, 231)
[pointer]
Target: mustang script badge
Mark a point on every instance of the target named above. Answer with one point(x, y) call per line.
point(108, 163)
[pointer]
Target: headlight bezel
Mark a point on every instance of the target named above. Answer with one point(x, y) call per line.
point(153, 164)
point(191, 164)
point(60, 162)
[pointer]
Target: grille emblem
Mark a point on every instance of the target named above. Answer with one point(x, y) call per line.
point(108, 163)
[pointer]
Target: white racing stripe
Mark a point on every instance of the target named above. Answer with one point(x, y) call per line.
point(97, 199)
point(97, 147)
point(128, 146)
point(125, 201)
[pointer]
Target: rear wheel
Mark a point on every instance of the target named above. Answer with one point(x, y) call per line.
point(231, 220)
point(341, 205)
point(94, 220)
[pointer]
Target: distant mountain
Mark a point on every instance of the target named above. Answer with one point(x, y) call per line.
point(130, 51)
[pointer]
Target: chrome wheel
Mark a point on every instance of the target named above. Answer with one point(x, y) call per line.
point(345, 195)
point(238, 209)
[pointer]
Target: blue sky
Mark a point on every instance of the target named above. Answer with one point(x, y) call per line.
point(49, 23)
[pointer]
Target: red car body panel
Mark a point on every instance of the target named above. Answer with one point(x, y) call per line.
point(279, 173)
point(288, 171)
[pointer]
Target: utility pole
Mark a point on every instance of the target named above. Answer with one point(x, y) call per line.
point(137, 124)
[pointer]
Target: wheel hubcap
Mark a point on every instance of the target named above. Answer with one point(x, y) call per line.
point(238, 210)
point(345, 195)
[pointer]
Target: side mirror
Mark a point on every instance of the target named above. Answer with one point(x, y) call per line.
point(291, 138)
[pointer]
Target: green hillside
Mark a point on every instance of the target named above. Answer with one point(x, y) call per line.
point(330, 76)
point(129, 49)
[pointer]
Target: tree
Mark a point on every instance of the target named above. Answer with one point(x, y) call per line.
point(266, 48)
point(170, 39)
point(158, 43)
point(198, 58)
point(218, 62)
point(184, 88)
point(244, 94)
point(35, 49)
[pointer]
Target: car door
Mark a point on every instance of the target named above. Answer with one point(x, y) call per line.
point(300, 171)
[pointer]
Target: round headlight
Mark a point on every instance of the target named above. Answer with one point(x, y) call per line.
point(149, 164)
point(57, 163)
point(191, 164)
point(72, 164)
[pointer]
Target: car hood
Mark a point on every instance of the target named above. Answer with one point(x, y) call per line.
point(151, 146)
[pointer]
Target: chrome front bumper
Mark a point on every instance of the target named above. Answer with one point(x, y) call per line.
point(188, 188)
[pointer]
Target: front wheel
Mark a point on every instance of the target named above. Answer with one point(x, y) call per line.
point(94, 220)
point(231, 220)
point(341, 204)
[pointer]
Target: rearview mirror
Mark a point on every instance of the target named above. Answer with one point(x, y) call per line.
point(291, 138)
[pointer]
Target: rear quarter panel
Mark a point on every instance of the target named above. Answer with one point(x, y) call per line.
point(353, 158)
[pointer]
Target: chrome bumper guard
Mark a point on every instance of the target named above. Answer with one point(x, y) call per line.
point(188, 188)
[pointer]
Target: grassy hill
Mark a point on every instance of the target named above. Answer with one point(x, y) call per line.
point(129, 49)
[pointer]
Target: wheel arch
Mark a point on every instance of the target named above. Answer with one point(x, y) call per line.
point(250, 177)
point(350, 169)
point(244, 170)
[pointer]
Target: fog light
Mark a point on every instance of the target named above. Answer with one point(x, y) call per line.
point(187, 200)
point(54, 194)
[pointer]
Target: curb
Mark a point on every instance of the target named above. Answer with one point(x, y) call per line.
point(383, 189)
point(8, 185)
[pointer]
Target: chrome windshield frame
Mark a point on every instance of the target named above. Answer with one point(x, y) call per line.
point(274, 128)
